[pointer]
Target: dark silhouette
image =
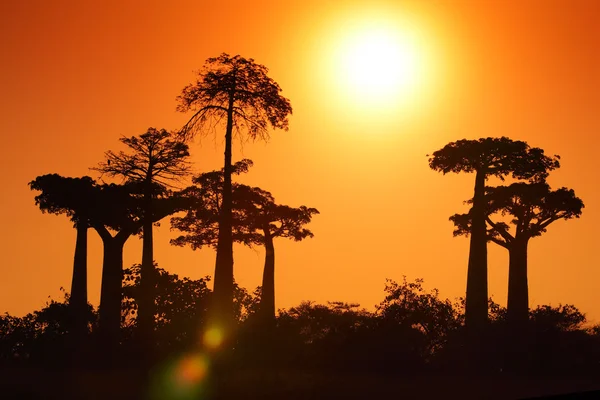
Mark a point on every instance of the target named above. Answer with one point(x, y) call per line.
point(487, 157)
point(118, 209)
point(155, 160)
point(532, 207)
point(413, 339)
point(272, 220)
point(205, 200)
point(180, 303)
point(257, 220)
point(71, 196)
point(240, 91)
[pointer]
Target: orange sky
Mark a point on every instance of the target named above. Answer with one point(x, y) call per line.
point(75, 76)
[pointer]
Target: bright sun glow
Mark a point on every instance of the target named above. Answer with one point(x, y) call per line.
point(375, 66)
point(379, 64)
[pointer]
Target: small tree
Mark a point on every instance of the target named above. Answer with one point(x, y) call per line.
point(181, 305)
point(487, 157)
point(238, 91)
point(155, 160)
point(409, 304)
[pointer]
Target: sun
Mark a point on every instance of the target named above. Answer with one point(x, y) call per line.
point(378, 64)
point(374, 65)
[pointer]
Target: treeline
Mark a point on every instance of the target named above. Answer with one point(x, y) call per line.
point(412, 330)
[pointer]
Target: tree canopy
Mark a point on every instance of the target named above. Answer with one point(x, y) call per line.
point(497, 157)
point(236, 85)
point(531, 208)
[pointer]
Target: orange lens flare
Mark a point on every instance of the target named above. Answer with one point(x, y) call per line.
point(191, 370)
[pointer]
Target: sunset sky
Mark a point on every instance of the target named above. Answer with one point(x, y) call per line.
point(77, 75)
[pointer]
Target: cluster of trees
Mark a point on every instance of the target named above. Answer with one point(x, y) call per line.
point(412, 330)
point(233, 93)
point(148, 308)
point(507, 215)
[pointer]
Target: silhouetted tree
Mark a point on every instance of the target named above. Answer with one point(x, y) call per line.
point(239, 91)
point(117, 219)
point(155, 160)
point(487, 157)
point(72, 197)
point(564, 318)
point(532, 207)
point(42, 336)
point(272, 220)
point(181, 305)
point(257, 221)
point(325, 334)
point(410, 304)
point(120, 211)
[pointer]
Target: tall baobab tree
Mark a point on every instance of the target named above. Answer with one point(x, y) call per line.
point(119, 215)
point(72, 197)
point(487, 157)
point(154, 161)
point(117, 219)
point(531, 207)
point(238, 92)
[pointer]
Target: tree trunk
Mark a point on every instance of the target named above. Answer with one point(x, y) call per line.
point(517, 313)
point(518, 290)
point(476, 312)
point(222, 316)
point(267, 299)
point(146, 300)
point(111, 291)
point(78, 299)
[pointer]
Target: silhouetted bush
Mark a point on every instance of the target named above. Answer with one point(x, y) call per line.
point(412, 330)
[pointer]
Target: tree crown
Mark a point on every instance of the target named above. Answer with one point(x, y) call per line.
point(532, 207)
point(254, 211)
point(64, 195)
point(494, 157)
point(237, 85)
point(155, 156)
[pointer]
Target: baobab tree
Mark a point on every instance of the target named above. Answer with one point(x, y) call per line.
point(156, 159)
point(238, 92)
point(487, 157)
point(71, 197)
point(531, 207)
point(271, 220)
point(119, 215)
point(117, 219)
point(257, 221)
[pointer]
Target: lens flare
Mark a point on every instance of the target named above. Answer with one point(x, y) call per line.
point(191, 370)
point(213, 337)
point(185, 378)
